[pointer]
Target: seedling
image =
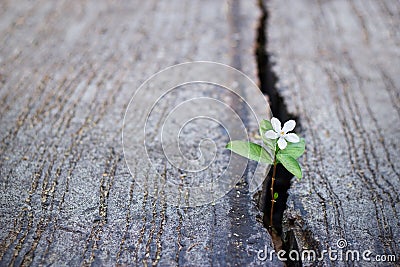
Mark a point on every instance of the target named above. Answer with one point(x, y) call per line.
point(282, 148)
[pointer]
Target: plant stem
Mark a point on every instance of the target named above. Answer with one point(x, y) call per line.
point(272, 194)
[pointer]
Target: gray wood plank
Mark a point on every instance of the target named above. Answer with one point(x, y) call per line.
point(338, 63)
point(68, 70)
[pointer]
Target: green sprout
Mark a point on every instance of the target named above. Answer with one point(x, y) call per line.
point(285, 148)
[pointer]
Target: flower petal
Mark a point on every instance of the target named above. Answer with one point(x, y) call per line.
point(289, 126)
point(282, 143)
point(271, 134)
point(292, 138)
point(276, 124)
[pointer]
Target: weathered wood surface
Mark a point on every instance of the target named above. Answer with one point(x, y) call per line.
point(338, 65)
point(68, 70)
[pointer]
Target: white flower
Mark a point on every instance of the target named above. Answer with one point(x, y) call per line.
point(282, 133)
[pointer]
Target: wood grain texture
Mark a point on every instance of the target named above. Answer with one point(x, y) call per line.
point(67, 72)
point(338, 66)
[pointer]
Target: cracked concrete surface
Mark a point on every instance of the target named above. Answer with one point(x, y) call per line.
point(337, 63)
point(68, 70)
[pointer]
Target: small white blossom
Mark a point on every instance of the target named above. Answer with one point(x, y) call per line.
point(282, 133)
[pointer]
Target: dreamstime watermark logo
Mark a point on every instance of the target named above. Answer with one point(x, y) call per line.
point(340, 253)
point(176, 127)
point(341, 243)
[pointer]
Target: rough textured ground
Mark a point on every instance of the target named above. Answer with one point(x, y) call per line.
point(67, 72)
point(338, 66)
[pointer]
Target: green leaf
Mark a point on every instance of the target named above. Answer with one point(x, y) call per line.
point(295, 150)
point(275, 195)
point(264, 127)
point(250, 150)
point(290, 164)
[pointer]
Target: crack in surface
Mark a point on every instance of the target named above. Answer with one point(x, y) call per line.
point(268, 80)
